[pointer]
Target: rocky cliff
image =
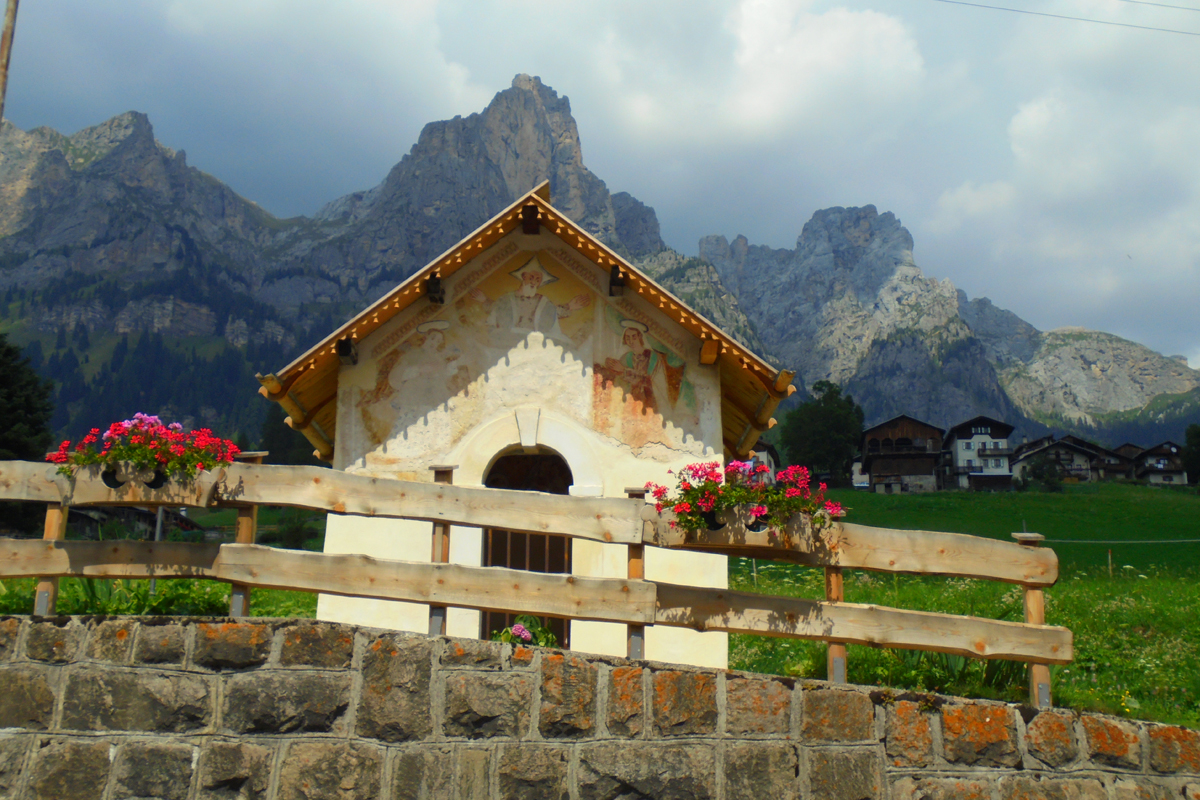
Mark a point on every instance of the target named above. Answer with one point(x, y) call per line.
point(110, 232)
point(849, 304)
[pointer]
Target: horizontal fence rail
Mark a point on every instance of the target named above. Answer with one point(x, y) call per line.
point(613, 520)
point(601, 599)
point(630, 521)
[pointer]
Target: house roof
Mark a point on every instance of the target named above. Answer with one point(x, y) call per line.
point(957, 429)
point(899, 417)
point(751, 388)
point(1048, 443)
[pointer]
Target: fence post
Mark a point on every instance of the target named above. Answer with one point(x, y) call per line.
point(636, 639)
point(835, 662)
point(244, 533)
point(46, 598)
point(1035, 614)
point(440, 551)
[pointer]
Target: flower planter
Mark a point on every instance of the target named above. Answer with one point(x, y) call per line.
point(117, 475)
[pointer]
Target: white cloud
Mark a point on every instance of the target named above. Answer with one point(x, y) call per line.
point(825, 70)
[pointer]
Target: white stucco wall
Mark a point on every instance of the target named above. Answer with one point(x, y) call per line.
point(487, 390)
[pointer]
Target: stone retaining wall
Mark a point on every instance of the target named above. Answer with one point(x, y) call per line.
point(186, 709)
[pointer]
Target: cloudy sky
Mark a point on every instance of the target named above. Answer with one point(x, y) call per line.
point(1051, 165)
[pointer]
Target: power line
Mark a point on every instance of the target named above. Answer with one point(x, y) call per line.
point(1073, 19)
point(1160, 5)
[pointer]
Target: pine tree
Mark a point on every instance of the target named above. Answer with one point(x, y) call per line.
point(25, 408)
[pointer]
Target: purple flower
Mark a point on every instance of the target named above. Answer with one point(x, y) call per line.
point(521, 632)
point(175, 426)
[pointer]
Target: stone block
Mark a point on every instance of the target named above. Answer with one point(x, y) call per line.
point(1022, 787)
point(568, 697)
point(234, 771)
point(910, 788)
point(1112, 742)
point(285, 702)
point(56, 641)
point(844, 774)
point(317, 644)
point(1141, 789)
point(13, 750)
point(1174, 749)
point(483, 705)
point(756, 770)
point(28, 697)
point(1050, 738)
point(423, 773)
point(161, 771)
point(473, 653)
point(625, 703)
point(160, 644)
point(474, 773)
point(757, 706)
point(231, 645)
point(685, 703)
point(1191, 791)
point(531, 772)
point(394, 701)
point(837, 715)
point(909, 736)
point(112, 640)
point(10, 629)
point(646, 770)
point(983, 734)
point(330, 771)
point(68, 769)
point(100, 700)
point(522, 657)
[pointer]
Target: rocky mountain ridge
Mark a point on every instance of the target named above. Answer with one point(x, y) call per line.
point(110, 231)
point(849, 304)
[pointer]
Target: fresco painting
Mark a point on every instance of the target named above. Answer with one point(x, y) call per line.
point(643, 388)
point(443, 356)
point(641, 393)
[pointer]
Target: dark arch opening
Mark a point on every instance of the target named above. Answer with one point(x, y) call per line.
point(543, 471)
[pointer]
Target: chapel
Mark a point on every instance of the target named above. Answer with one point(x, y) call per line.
point(528, 356)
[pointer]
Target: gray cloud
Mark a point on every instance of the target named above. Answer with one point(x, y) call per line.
point(1047, 164)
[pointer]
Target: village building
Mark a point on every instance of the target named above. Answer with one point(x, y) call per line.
point(977, 455)
point(1076, 463)
point(528, 356)
point(1162, 464)
point(901, 455)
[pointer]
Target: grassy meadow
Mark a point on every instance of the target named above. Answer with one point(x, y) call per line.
point(1137, 631)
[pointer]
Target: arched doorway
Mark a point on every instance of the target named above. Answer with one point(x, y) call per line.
point(542, 471)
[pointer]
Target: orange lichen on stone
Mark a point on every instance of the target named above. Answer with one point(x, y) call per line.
point(909, 735)
point(1050, 737)
point(1112, 742)
point(625, 701)
point(1174, 749)
point(980, 733)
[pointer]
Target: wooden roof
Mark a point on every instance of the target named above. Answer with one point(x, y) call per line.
point(750, 387)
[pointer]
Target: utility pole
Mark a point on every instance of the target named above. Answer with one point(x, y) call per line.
point(10, 22)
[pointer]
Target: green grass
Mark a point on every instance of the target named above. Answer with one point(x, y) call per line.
point(1101, 511)
point(1137, 632)
point(176, 597)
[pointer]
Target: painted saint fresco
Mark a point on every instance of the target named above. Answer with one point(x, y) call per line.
point(643, 388)
point(529, 306)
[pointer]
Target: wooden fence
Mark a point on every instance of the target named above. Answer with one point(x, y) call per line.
point(631, 600)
